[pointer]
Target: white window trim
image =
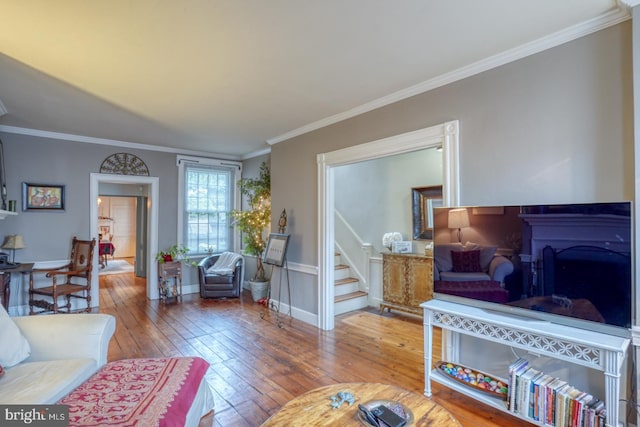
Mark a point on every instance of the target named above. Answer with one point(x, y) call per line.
point(180, 162)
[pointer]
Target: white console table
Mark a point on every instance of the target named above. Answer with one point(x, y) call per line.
point(593, 350)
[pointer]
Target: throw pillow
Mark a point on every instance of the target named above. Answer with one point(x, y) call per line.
point(442, 255)
point(466, 261)
point(14, 347)
point(486, 253)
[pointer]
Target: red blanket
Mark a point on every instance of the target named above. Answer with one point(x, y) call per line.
point(144, 392)
point(485, 290)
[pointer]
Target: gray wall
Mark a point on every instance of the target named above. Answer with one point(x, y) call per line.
point(49, 161)
point(555, 126)
point(42, 161)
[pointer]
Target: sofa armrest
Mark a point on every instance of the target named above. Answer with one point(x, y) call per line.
point(499, 268)
point(239, 274)
point(208, 261)
point(67, 336)
point(204, 264)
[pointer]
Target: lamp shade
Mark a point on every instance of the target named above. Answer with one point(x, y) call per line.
point(13, 241)
point(458, 218)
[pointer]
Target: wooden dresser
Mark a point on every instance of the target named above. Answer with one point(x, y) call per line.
point(407, 282)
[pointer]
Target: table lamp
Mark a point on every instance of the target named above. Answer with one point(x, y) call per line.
point(458, 218)
point(13, 242)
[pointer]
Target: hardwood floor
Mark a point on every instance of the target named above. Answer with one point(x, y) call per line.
point(257, 366)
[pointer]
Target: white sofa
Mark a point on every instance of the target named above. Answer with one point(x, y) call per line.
point(46, 357)
point(490, 266)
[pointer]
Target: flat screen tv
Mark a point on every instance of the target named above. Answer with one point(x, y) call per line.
point(566, 263)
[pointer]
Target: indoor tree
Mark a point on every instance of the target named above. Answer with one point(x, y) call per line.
point(254, 221)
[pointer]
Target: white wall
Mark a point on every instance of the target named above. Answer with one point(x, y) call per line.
point(374, 196)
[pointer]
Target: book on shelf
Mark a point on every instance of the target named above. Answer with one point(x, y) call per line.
point(515, 370)
point(552, 390)
point(584, 400)
point(562, 398)
point(592, 413)
point(540, 397)
point(526, 405)
point(551, 401)
point(575, 407)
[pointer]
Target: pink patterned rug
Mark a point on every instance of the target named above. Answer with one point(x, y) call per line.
point(137, 392)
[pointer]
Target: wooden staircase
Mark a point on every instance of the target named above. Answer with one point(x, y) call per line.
point(347, 295)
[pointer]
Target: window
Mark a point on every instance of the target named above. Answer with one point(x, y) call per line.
point(207, 196)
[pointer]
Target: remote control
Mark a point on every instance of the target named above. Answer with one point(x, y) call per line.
point(387, 416)
point(366, 413)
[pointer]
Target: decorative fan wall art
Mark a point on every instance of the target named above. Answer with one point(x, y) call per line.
point(124, 164)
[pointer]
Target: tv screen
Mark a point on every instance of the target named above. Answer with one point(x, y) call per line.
point(567, 263)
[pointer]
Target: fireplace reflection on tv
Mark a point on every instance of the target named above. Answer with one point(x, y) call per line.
point(572, 263)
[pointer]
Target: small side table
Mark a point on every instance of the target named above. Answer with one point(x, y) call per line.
point(170, 281)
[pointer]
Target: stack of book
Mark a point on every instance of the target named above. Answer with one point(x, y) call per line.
point(551, 401)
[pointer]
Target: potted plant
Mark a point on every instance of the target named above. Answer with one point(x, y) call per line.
point(174, 253)
point(253, 223)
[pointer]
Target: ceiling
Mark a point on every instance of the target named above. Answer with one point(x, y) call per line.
point(230, 77)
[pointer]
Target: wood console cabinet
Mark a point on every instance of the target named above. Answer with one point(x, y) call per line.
point(407, 282)
point(170, 281)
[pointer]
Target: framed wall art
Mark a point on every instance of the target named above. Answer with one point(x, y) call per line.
point(42, 197)
point(276, 249)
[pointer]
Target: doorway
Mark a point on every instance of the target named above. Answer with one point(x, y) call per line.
point(118, 225)
point(444, 135)
point(122, 219)
point(151, 241)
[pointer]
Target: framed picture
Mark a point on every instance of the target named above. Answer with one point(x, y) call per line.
point(276, 249)
point(42, 197)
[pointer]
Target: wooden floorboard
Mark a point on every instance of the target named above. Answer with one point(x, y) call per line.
point(257, 366)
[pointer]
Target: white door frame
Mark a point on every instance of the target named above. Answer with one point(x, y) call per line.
point(152, 235)
point(444, 135)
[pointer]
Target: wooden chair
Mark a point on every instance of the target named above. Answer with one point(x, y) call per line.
point(72, 280)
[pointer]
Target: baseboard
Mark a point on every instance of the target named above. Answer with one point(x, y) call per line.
point(190, 289)
point(296, 313)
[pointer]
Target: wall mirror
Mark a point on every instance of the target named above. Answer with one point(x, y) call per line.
point(424, 199)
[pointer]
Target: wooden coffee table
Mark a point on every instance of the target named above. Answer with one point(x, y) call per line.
point(314, 407)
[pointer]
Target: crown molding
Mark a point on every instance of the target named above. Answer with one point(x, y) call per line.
point(620, 14)
point(110, 142)
point(256, 153)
